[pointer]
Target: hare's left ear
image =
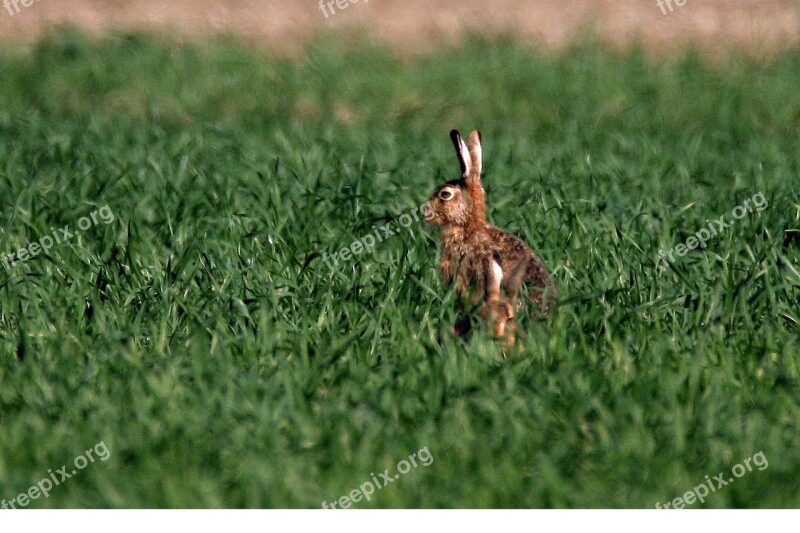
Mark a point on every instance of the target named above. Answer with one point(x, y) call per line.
point(464, 159)
point(476, 154)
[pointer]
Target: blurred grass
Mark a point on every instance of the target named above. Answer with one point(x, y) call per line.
point(202, 338)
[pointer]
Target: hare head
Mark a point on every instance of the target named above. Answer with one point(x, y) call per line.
point(461, 202)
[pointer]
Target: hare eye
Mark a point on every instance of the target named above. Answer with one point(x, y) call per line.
point(445, 195)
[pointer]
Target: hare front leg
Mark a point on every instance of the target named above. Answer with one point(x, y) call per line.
point(497, 309)
point(501, 316)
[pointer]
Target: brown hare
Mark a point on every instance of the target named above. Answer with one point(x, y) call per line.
point(489, 264)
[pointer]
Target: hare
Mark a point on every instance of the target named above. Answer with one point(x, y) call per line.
point(489, 264)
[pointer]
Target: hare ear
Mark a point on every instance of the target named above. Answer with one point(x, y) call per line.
point(476, 153)
point(474, 179)
point(462, 152)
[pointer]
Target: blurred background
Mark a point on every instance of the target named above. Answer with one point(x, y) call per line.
point(757, 26)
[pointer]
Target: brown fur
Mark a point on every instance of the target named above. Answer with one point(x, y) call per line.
point(488, 264)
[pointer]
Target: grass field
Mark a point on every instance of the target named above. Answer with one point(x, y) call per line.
point(201, 337)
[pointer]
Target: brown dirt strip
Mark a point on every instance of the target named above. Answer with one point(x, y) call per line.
point(756, 26)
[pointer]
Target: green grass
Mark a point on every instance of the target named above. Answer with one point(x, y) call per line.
point(201, 337)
